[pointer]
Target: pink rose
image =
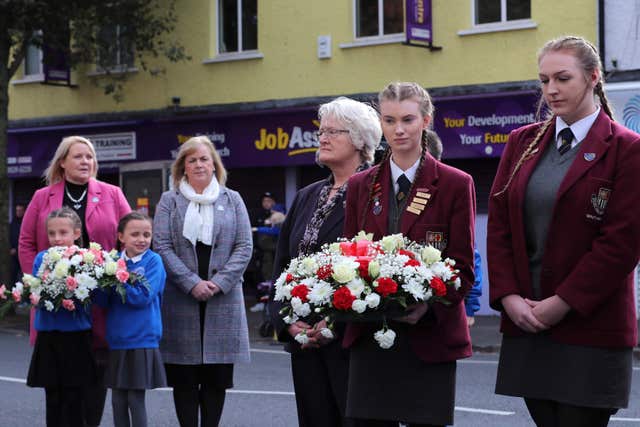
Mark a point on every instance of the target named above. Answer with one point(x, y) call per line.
point(70, 251)
point(72, 283)
point(68, 304)
point(35, 299)
point(99, 258)
point(3, 291)
point(16, 296)
point(122, 264)
point(122, 275)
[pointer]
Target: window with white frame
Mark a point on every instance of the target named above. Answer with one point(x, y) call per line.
point(33, 60)
point(116, 49)
point(496, 11)
point(375, 18)
point(237, 25)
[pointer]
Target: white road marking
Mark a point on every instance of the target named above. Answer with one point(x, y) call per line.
point(264, 350)
point(13, 380)
point(483, 411)
point(627, 420)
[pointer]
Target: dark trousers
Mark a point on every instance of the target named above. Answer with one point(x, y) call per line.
point(320, 383)
point(96, 394)
point(64, 406)
point(547, 413)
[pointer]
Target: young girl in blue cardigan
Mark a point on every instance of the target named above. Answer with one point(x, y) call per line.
point(62, 361)
point(134, 327)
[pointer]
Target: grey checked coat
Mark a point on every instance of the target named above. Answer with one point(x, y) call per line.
point(225, 327)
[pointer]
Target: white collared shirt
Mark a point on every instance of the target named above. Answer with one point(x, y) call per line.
point(134, 259)
point(396, 172)
point(579, 128)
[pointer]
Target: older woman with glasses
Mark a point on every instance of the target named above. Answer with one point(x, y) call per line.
point(349, 134)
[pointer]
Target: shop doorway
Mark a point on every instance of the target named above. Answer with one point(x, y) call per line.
point(143, 183)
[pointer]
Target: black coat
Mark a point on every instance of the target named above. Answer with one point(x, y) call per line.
point(291, 234)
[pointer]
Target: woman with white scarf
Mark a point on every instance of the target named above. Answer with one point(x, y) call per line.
point(203, 234)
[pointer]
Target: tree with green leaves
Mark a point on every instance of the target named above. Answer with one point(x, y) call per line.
point(79, 32)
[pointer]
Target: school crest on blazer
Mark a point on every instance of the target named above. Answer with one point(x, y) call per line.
point(599, 201)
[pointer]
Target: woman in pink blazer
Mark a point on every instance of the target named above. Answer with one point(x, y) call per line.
point(563, 242)
point(71, 182)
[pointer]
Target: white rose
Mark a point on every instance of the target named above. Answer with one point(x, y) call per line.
point(344, 271)
point(54, 255)
point(309, 266)
point(110, 268)
point(374, 269)
point(372, 300)
point(384, 338)
point(390, 243)
point(429, 255)
point(89, 257)
point(334, 248)
point(61, 269)
point(363, 236)
point(95, 246)
point(359, 306)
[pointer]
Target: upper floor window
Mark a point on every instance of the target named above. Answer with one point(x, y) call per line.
point(378, 17)
point(493, 11)
point(237, 25)
point(116, 49)
point(33, 61)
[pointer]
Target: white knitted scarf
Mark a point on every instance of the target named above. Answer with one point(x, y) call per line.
point(198, 221)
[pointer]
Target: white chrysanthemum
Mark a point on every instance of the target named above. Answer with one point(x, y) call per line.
point(457, 283)
point(356, 286)
point(98, 271)
point(321, 293)
point(327, 333)
point(345, 270)
point(283, 292)
point(359, 306)
point(384, 338)
point(416, 289)
point(81, 293)
point(429, 255)
point(441, 270)
point(62, 269)
point(75, 260)
point(49, 305)
point(302, 338)
point(86, 281)
point(372, 300)
point(289, 320)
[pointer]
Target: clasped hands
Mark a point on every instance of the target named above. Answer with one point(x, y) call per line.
point(204, 290)
point(535, 316)
point(314, 333)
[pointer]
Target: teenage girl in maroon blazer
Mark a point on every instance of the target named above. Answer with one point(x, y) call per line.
point(563, 242)
point(414, 381)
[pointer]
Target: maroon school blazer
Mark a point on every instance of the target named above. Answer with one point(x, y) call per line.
point(446, 221)
point(593, 242)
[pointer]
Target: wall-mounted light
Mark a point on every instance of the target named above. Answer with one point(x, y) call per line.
point(175, 101)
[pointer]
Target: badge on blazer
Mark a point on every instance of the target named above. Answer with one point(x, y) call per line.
point(599, 201)
point(437, 239)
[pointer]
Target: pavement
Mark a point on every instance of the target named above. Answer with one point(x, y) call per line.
point(485, 333)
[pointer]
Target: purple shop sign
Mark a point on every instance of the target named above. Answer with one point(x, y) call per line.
point(479, 126)
point(418, 21)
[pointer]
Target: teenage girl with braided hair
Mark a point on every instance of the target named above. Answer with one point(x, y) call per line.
point(563, 242)
point(413, 381)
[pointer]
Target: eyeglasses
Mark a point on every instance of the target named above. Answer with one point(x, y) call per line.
point(330, 133)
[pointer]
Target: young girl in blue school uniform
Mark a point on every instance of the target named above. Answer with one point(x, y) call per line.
point(134, 328)
point(62, 361)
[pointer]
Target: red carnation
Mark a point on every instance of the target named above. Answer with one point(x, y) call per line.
point(289, 278)
point(300, 291)
point(343, 298)
point(407, 253)
point(412, 263)
point(438, 286)
point(386, 286)
point(324, 272)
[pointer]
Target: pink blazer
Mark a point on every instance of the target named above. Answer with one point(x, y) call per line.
point(448, 217)
point(593, 241)
point(105, 206)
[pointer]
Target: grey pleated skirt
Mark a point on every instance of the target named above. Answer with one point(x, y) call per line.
point(395, 384)
point(537, 367)
point(135, 369)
